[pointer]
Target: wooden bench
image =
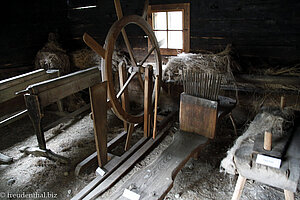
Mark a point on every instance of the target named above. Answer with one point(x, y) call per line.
point(47, 92)
point(286, 177)
point(12, 104)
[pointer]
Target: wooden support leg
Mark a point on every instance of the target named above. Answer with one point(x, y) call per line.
point(60, 106)
point(34, 112)
point(98, 96)
point(147, 100)
point(124, 96)
point(288, 195)
point(155, 106)
point(233, 123)
point(129, 134)
point(239, 188)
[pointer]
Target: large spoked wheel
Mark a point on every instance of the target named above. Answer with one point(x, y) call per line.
point(114, 96)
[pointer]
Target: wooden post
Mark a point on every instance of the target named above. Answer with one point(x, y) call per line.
point(35, 114)
point(155, 105)
point(124, 96)
point(98, 96)
point(147, 100)
point(289, 195)
point(268, 141)
point(239, 188)
point(282, 102)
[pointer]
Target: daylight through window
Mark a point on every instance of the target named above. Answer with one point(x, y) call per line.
point(170, 23)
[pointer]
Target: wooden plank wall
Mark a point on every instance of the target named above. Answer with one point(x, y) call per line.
point(266, 29)
point(269, 28)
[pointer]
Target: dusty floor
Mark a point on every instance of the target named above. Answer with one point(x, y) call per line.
point(199, 179)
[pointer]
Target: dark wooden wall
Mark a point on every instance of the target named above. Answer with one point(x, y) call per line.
point(24, 30)
point(257, 28)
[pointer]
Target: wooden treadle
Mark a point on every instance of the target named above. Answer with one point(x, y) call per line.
point(156, 180)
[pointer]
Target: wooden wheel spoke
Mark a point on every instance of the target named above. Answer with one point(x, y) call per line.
point(141, 80)
point(150, 51)
point(147, 56)
point(145, 11)
point(120, 15)
point(95, 46)
point(126, 84)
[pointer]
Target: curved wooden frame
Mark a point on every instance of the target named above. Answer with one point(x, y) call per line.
point(111, 38)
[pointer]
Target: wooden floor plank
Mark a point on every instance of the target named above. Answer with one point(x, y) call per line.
point(116, 175)
point(112, 165)
point(156, 180)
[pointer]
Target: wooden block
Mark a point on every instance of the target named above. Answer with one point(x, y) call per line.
point(198, 115)
point(268, 141)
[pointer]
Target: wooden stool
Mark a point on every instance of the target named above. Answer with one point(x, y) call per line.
point(286, 177)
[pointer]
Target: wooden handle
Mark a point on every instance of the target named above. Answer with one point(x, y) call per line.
point(268, 141)
point(94, 45)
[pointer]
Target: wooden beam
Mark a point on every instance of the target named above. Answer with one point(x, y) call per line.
point(7, 83)
point(16, 84)
point(63, 80)
point(110, 167)
point(74, 84)
point(98, 96)
point(13, 105)
point(155, 106)
point(13, 118)
point(265, 79)
point(147, 100)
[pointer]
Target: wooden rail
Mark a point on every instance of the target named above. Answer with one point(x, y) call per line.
point(12, 103)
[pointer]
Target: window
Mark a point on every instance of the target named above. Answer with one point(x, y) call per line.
point(171, 26)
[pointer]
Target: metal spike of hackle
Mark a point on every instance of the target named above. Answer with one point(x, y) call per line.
point(200, 84)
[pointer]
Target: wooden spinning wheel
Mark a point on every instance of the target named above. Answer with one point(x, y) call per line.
point(137, 68)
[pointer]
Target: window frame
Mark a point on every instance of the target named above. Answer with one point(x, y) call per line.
point(185, 8)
